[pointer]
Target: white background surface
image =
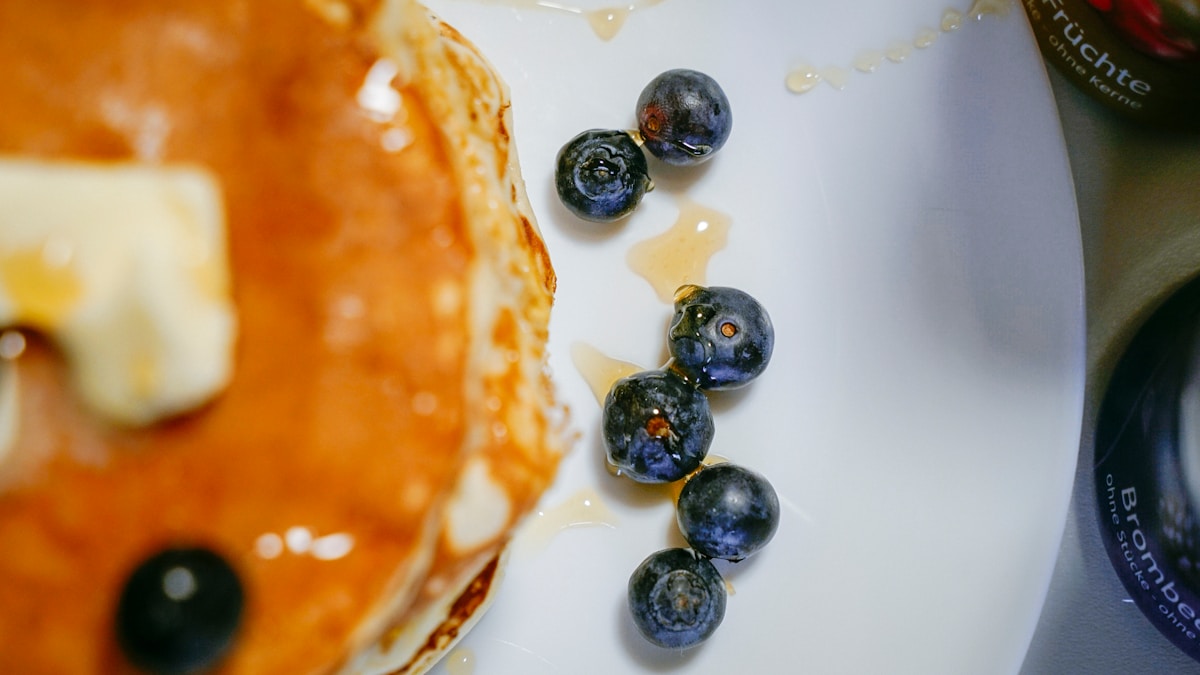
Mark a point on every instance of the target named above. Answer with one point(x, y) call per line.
point(915, 240)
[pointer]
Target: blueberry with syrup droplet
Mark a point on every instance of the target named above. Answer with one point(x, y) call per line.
point(601, 175)
point(684, 117)
point(720, 338)
point(657, 428)
point(727, 511)
point(677, 599)
point(179, 611)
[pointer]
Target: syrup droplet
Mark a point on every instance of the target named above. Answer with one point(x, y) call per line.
point(585, 508)
point(835, 76)
point(606, 22)
point(599, 370)
point(804, 77)
point(461, 661)
point(925, 38)
point(868, 60)
point(951, 20)
point(680, 255)
point(673, 489)
point(898, 51)
point(714, 458)
point(982, 8)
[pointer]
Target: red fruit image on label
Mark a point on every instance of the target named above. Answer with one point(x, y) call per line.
point(1160, 28)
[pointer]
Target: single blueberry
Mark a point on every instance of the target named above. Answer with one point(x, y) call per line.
point(179, 611)
point(676, 598)
point(657, 428)
point(601, 175)
point(684, 117)
point(727, 511)
point(720, 338)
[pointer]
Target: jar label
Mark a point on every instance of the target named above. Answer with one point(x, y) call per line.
point(1147, 444)
point(1078, 42)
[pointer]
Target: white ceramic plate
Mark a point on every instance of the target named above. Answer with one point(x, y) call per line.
point(915, 238)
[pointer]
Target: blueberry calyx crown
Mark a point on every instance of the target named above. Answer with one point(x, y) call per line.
point(601, 175)
point(720, 337)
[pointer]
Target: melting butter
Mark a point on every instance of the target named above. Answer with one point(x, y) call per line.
point(44, 288)
point(125, 267)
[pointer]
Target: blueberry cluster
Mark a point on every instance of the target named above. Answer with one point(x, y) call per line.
point(683, 118)
point(657, 428)
point(657, 424)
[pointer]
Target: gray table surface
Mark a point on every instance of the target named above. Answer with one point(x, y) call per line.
point(1139, 206)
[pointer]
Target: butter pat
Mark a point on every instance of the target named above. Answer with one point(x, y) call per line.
point(125, 267)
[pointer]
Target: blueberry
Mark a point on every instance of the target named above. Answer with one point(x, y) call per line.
point(178, 611)
point(727, 511)
point(677, 599)
point(601, 175)
point(684, 117)
point(720, 338)
point(657, 427)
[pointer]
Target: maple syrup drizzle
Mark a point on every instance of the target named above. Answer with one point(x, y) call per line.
point(461, 661)
point(680, 255)
point(599, 370)
point(606, 22)
point(585, 508)
point(673, 489)
point(804, 77)
point(867, 60)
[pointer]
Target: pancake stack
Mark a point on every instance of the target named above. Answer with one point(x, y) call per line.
point(386, 419)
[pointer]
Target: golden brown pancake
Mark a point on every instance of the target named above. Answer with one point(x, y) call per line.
point(392, 297)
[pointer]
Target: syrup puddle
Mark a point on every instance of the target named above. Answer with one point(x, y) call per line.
point(805, 77)
point(461, 661)
point(599, 370)
point(673, 489)
point(680, 255)
point(585, 508)
point(606, 22)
